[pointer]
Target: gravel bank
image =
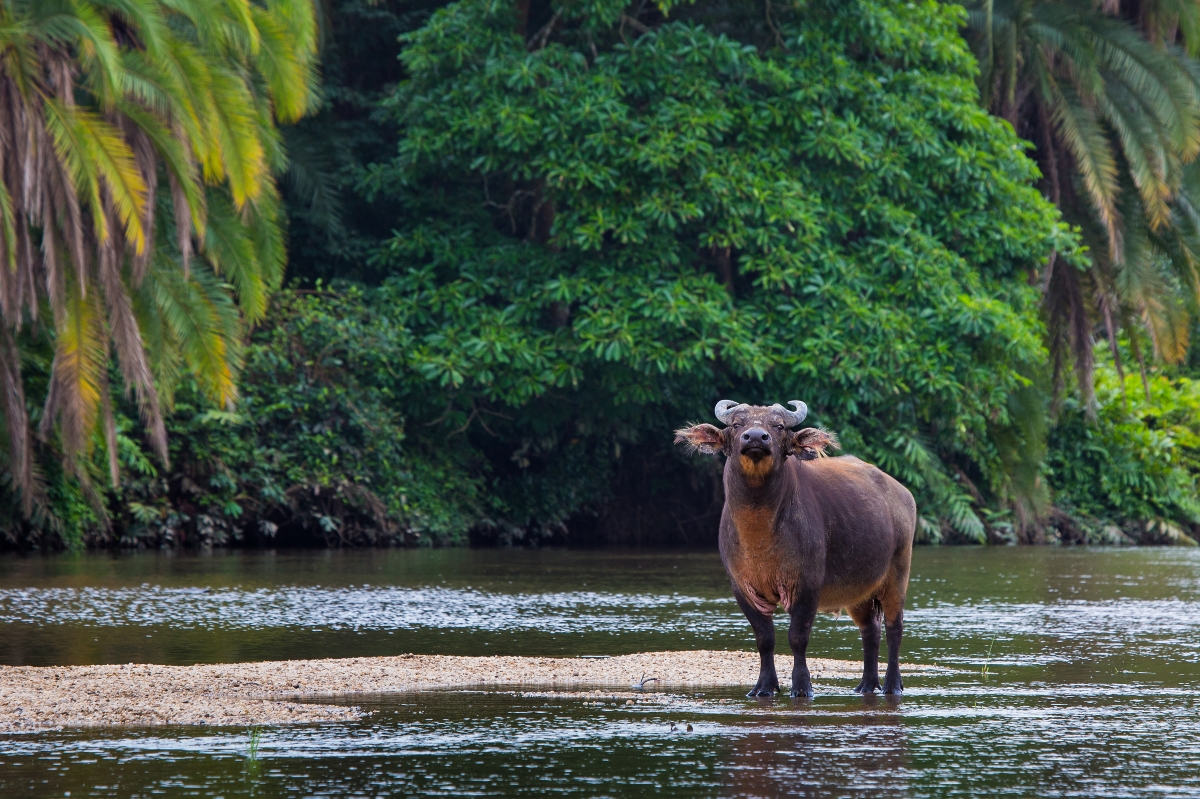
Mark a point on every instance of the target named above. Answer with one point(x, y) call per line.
point(267, 693)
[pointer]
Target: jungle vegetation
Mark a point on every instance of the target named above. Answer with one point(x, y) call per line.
point(524, 240)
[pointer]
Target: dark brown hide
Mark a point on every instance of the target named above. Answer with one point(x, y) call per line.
point(810, 533)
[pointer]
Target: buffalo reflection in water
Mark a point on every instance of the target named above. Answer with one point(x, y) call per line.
point(800, 748)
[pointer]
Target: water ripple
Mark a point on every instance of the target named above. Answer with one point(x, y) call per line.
point(1161, 627)
point(365, 608)
point(1058, 630)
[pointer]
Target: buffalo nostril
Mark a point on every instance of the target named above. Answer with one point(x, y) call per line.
point(756, 436)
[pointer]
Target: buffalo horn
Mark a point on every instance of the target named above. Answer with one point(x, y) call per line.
point(725, 410)
point(791, 418)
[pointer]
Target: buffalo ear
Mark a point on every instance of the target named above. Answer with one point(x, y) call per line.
point(701, 438)
point(811, 442)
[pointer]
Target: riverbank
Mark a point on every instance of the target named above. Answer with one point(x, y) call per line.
point(239, 694)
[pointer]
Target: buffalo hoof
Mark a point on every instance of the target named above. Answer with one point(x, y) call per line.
point(806, 694)
point(893, 686)
point(868, 686)
point(763, 689)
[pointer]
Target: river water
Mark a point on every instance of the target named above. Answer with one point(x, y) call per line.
point(1067, 672)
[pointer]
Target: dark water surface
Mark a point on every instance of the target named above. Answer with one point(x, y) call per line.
point(1071, 672)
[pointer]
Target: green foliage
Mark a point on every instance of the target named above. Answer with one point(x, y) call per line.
point(1136, 467)
point(314, 450)
point(128, 125)
point(605, 218)
point(333, 230)
point(1110, 95)
point(321, 449)
point(706, 209)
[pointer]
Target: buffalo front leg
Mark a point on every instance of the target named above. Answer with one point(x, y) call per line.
point(803, 613)
point(764, 638)
point(867, 616)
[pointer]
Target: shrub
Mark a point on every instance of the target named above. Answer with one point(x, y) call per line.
point(1131, 474)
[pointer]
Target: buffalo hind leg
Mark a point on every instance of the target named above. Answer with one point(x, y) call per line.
point(764, 638)
point(893, 616)
point(867, 615)
point(803, 613)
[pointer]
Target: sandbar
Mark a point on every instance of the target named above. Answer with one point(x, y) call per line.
point(267, 693)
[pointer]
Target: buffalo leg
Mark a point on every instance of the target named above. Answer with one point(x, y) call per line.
point(803, 613)
point(867, 616)
point(892, 683)
point(892, 602)
point(764, 638)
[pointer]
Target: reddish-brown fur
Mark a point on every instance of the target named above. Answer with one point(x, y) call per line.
point(810, 533)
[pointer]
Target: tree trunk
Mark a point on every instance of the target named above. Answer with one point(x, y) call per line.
point(523, 18)
point(723, 258)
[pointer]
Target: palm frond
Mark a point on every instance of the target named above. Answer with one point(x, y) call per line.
point(78, 379)
point(96, 97)
point(287, 70)
point(242, 153)
point(203, 323)
point(1123, 103)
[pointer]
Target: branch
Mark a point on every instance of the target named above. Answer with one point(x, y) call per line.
point(774, 29)
point(633, 23)
point(539, 39)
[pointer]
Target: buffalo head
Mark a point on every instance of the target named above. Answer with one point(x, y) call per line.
point(756, 438)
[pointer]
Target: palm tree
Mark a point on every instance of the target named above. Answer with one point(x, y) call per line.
point(1111, 100)
point(101, 102)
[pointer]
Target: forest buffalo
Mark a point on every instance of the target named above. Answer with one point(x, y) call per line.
point(810, 533)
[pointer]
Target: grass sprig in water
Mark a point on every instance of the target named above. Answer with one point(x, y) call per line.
point(252, 746)
point(986, 672)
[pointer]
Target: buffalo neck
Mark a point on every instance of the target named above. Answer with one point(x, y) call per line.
point(754, 508)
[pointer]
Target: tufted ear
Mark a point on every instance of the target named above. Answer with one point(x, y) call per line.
point(702, 438)
point(811, 442)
